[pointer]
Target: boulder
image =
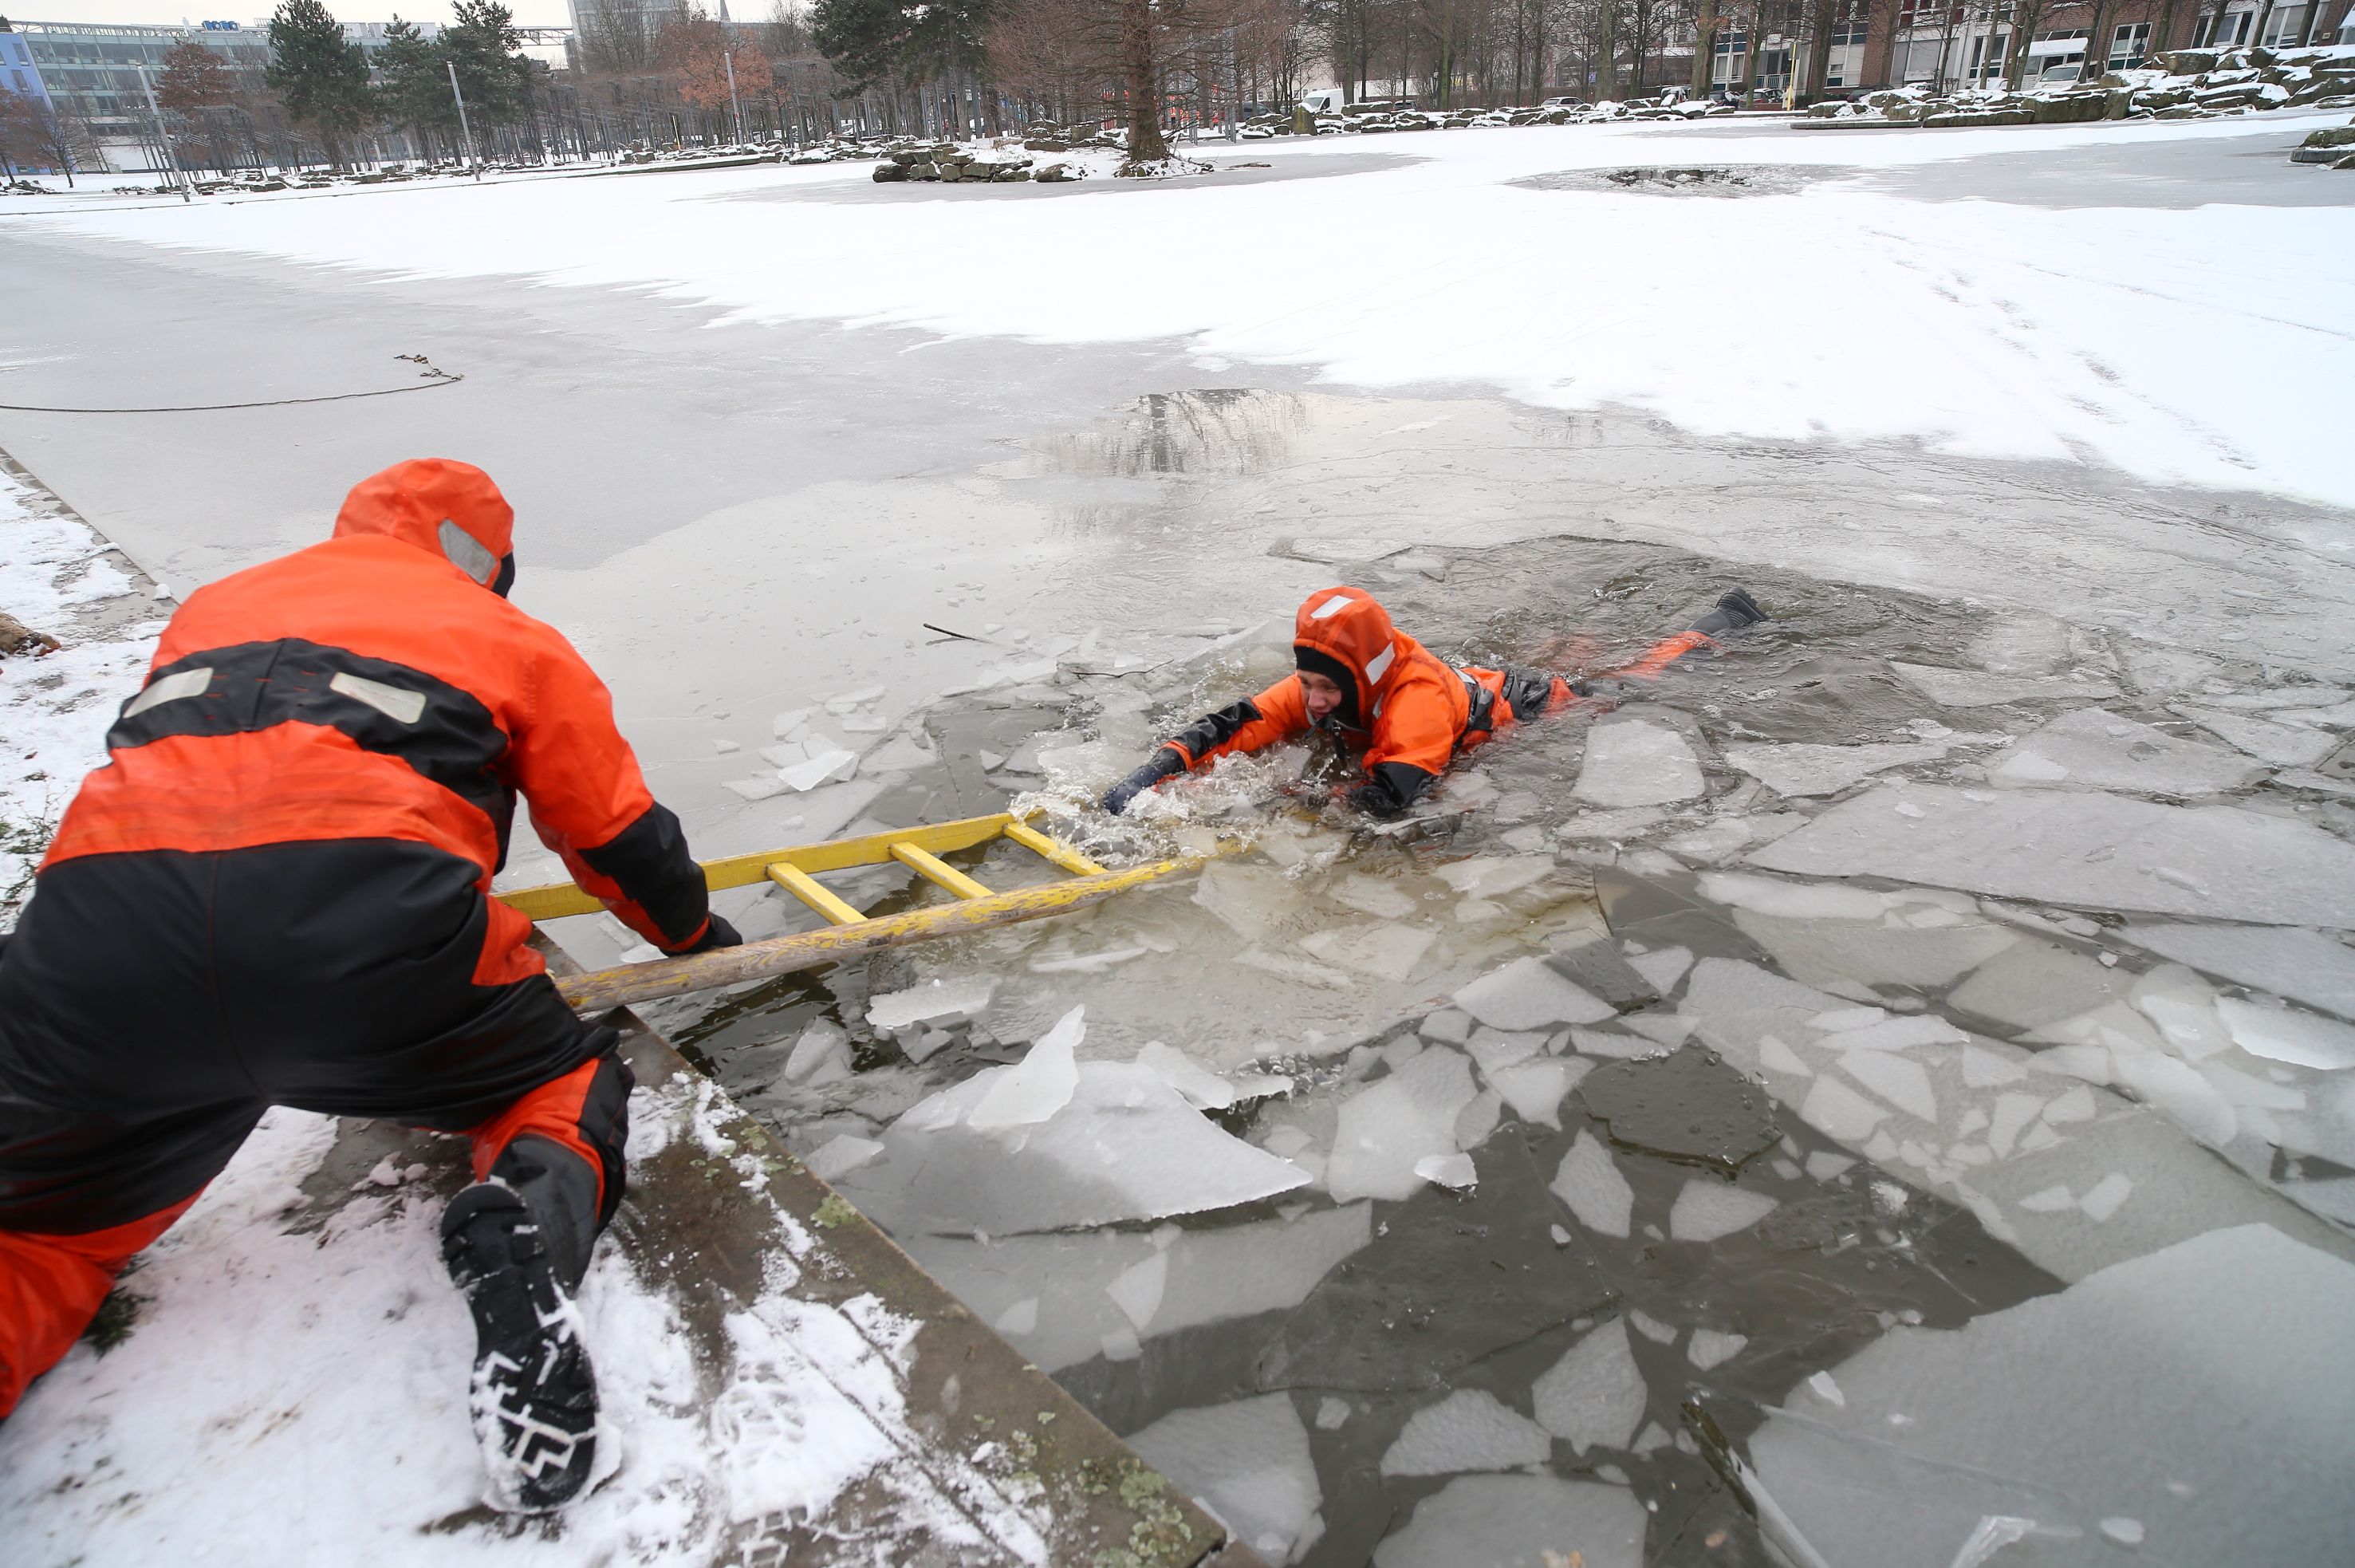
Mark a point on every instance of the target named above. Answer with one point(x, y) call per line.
point(890, 174)
point(1047, 145)
point(2070, 108)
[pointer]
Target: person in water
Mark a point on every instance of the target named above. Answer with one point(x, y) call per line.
point(1363, 680)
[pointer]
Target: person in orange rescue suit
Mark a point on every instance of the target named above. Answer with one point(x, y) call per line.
point(1377, 688)
point(276, 892)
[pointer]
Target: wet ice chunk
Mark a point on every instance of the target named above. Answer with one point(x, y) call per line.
point(1651, 1327)
point(841, 1154)
point(1976, 688)
point(1519, 1522)
point(933, 1002)
point(1708, 1209)
point(2283, 1034)
point(1709, 1347)
point(1256, 901)
point(2072, 846)
point(1839, 1113)
point(1376, 896)
point(1535, 1088)
point(1250, 1464)
point(1124, 1146)
point(1900, 1080)
point(1824, 1165)
point(2222, 1355)
point(822, 1055)
point(1332, 1413)
point(1663, 968)
point(1379, 951)
point(1037, 1087)
point(1590, 1183)
point(1629, 824)
point(1387, 1126)
point(1631, 762)
point(1594, 1396)
point(2304, 966)
point(1469, 1430)
point(1205, 1090)
point(2283, 745)
point(2100, 750)
point(2124, 1531)
point(1821, 1385)
point(2034, 983)
point(1808, 770)
point(1452, 1171)
point(1528, 993)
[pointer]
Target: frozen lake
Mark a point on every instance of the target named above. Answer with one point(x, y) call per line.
point(1913, 1047)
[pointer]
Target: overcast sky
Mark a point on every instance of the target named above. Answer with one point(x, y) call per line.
point(170, 13)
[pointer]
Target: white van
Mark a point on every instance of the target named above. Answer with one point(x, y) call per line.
point(1324, 100)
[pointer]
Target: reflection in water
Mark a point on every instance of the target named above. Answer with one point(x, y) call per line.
point(1225, 430)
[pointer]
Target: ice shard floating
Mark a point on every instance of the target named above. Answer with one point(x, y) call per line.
point(2201, 1392)
point(2100, 850)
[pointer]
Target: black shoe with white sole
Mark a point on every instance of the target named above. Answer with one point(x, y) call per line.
point(534, 1396)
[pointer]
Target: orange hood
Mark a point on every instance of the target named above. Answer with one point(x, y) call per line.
point(442, 507)
point(1348, 626)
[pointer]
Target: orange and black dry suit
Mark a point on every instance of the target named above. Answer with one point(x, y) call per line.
point(276, 892)
point(1411, 712)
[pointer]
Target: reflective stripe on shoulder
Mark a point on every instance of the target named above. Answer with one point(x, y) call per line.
point(171, 688)
point(468, 554)
point(392, 701)
point(1379, 663)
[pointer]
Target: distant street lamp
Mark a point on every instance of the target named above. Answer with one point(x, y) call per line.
point(163, 137)
point(465, 130)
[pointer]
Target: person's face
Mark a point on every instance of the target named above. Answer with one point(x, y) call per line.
point(1323, 695)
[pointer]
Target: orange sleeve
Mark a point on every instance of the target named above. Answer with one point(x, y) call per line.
point(1273, 717)
point(1418, 727)
point(590, 804)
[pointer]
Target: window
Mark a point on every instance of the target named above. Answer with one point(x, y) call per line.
point(2127, 43)
point(1850, 32)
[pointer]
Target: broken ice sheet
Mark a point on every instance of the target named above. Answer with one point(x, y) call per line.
point(1528, 993)
point(1249, 1463)
point(1380, 952)
point(2282, 745)
point(1590, 1183)
point(2284, 1034)
point(2220, 1355)
point(944, 1000)
point(1977, 689)
point(1389, 1126)
point(1710, 1348)
point(2304, 965)
point(1631, 761)
point(2080, 848)
point(1708, 1209)
point(1593, 1397)
point(1810, 770)
point(2100, 750)
point(1471, 1429)
point(1519, 1522)
point(1205, 1090)
point(1124, 1147)
point(1207, 1276)
point(1037, 1087)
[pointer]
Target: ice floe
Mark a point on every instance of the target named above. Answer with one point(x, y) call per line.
point(1529, 993)
point(1805, 769)
point(1389, 1126)
point(2080, 848)
point(1471, 1429)
point(1594, 1397)
point(1634, 763)
point(1249, 1463)
point(2100, 750)
point(1588, 1182)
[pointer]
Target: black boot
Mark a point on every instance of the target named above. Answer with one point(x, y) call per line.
point(533, 1396)
point(1734, 611)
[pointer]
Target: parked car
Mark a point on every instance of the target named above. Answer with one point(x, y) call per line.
point(1563, 104)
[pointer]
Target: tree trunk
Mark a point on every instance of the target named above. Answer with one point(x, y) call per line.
point(1819, 51)
point(1142, 74)
point(1705, 26)
point(2097, 43)
point(1607, 48)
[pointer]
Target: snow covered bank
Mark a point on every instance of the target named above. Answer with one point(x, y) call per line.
point(2185, 344)
point(59, 577)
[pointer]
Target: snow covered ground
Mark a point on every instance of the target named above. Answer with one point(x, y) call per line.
point(2199, 346)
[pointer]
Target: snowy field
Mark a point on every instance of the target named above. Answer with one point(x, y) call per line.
point(2199, 346)
point(1994, 906)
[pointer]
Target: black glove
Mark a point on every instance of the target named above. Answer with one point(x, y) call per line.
point(718, 933)
point(1162, 765)
point(1733, 611)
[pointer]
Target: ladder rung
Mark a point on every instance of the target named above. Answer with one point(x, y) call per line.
point(926, 864)
point(1054, 851)
point(811, 891)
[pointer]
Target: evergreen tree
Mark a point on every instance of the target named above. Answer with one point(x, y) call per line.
point(488, 53)
point(323, 80)
point(870, 41)
point(414, 82)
